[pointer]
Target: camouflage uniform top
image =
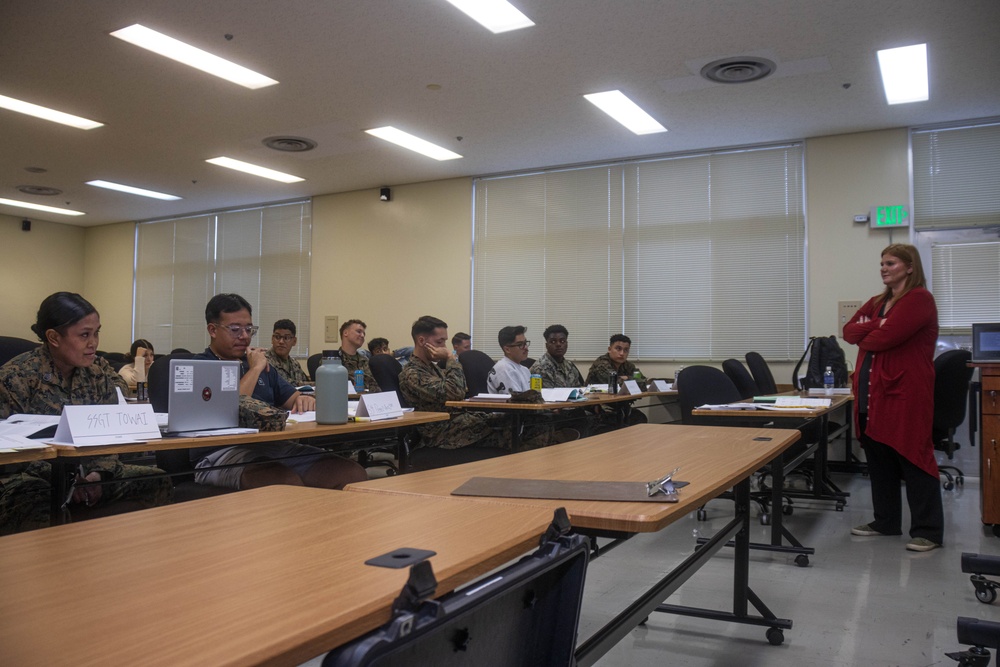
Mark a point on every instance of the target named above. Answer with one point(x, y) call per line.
point(30, 383)
point(426, 386)
point(353, 362)
point(601, 369)
point(288, 368)
point(557, 374)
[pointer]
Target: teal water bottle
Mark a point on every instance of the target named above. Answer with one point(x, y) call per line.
point(331, 390)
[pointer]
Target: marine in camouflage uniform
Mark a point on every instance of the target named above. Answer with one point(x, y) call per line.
point(426, 386)
point(557, 374)
point(601, 369)
point(353, 362)
point(31, 384)
point(288, 368)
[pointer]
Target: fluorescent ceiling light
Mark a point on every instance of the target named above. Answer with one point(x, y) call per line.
point(496, 15)
point(625, 111)
point(904, 73)
point(47, 114)
point(416, 144)
point(248, 168)
point(133, 191)
point(189, 55)
point(40, 207)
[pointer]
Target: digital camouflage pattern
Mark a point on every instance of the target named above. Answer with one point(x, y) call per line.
point(353, 362)
point(262, 416)
point(288, 368)
point(555, 374)
point(601, 369)
point(31, 384)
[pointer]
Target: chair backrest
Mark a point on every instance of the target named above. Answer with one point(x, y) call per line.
point(10, 347)
point(477, 365)
point(698, 385)
point(528, 363)
point(180, 350)
point(951, 389)
point(737, 372)
point(761, 373)
point(313, 362)
point(158, 380)
point(386, 370)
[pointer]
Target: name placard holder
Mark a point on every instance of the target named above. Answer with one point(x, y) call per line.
point(106, 424)
point(383, 405)
point(662, 385)
point(632, 387)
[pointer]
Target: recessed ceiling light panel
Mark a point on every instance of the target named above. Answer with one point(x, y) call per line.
point(495, 15)
point(108, 185)
point(175, 49)
point(39, 207)
point(416, 144)
point(47, 114)
point(904, 74)
point(625, 111)
point(254, 169)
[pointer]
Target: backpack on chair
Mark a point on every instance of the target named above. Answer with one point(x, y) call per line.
point(825, 351)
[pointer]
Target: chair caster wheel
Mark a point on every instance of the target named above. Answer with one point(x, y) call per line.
point(948, 486)
point(986, 594)
point(802, 560)
point(787, 510)
point(702, 515)
point(765, 519)
point(839, 507)
point(775, 636)
point(390, 472)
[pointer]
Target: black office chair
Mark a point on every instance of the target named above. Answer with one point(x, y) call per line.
point(180, 350)
point(10, 347)
point(386, 369)
point(741, 377)
point(175, 462)
point(761, 373)
point(476, 365)
point(528, 363)
point(313, 362)
point(952, 376)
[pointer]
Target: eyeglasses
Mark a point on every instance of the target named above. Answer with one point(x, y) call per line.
point(282, 338)
point(236, 330)
point(523, 344)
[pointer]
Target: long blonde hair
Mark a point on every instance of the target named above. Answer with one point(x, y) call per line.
point(910, 256)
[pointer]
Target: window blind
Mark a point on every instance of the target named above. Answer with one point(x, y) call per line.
point(966, 284)
point(694, 257)
point(262, 254)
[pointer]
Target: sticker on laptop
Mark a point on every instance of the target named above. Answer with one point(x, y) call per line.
point(183, 379)
point(230, 378)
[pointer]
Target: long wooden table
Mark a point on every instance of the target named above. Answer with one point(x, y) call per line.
point(27, 455)
point(712, 459)
point(271, 576)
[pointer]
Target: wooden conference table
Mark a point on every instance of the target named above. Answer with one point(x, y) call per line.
point(68, 456)
point(712, 459)
point(271, 576)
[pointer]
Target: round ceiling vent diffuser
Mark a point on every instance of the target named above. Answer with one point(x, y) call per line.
point(741, 69)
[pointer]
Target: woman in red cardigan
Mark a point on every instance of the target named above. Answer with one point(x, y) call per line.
point(896, 333)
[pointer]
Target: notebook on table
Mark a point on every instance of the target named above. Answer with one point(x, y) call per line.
point(203, 394)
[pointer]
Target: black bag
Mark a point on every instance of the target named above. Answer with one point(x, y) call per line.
point(825, 352)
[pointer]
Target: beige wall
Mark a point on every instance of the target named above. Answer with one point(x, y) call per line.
point(387, 263)
point(35, 264)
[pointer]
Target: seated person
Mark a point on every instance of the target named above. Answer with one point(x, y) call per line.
point(379, 346)
point(427, 386)
point(615, 360)
point(508, 375)
point(128, 370)
point(65, 370)
point(230, 327)
point(352, 339)
point(460, 342)
point(283, 339)
point(555, 369)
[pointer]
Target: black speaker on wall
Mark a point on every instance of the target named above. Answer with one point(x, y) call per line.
point(385, 194)
point(26, 225)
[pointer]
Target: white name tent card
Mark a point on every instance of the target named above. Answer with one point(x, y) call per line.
point(351, 391)
point(797, 402)
point(557, 394)
point(662, 385)
point(383, 405)
point(106, 424)
point(632, 387)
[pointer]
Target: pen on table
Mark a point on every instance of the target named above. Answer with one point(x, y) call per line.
point(360, 419)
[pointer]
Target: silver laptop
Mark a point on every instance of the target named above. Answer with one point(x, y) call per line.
point(986, 342)
point(203, 395)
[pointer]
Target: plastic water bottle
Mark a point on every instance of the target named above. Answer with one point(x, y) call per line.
point(359, 380)
point(828, 381)
point(331, 390)
point(613, 382)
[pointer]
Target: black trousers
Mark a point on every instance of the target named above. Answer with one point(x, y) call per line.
point(886, 469)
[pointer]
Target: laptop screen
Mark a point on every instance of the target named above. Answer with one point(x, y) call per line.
point(986, 342)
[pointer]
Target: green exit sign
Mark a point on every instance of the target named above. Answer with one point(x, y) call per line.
point(897, 215)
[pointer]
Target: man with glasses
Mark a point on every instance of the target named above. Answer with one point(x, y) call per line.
point(555, 369)
point(508, 375)
point(231, 329)
point(279, 356)
point(352, 339)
